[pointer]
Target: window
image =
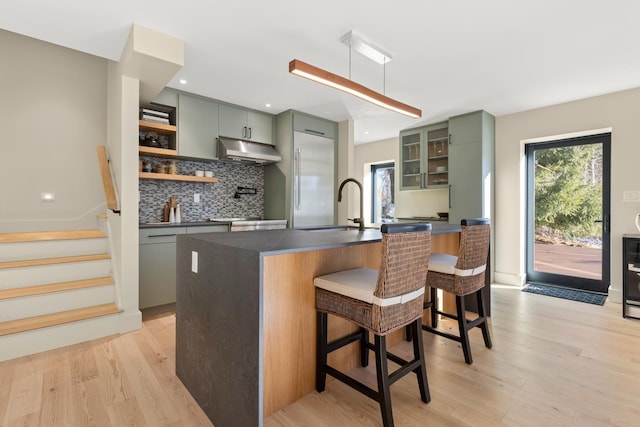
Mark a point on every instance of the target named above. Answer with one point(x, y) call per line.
point(382, 205)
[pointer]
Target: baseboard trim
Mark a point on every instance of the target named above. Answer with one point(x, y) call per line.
point(508, 279)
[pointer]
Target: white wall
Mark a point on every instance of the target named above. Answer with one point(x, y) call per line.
point(53, 110)
point(618, 111)
point(408, 203)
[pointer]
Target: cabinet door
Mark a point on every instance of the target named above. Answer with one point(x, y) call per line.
point(465, 182)
point(157, 266)
point(466, 128)
point(314, 126)
point(260, 127)
point(233, 122)
point(197, 127)
point(436, 150)
point(411, 160)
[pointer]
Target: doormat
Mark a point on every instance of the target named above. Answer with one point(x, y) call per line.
point(565, 293)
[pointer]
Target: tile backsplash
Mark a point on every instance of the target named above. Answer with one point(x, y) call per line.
point(216, 199)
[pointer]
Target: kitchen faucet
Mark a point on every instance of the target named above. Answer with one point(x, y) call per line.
point(359, 221)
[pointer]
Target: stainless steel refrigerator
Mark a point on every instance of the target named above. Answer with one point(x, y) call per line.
point(301, 188)
point(313, 180)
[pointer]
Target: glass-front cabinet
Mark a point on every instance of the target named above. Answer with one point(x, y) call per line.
point(437, 157)
point(424, 157)
point(411, 159)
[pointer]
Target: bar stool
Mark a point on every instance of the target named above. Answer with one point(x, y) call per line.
point(462, 275)
point(378, 301)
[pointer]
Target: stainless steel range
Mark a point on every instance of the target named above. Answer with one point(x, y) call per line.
point(253, 224)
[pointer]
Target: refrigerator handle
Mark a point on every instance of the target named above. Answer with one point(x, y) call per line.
point(297, 179)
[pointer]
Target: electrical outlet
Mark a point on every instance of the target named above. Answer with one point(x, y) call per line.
point(631, 196)
point(194, 261)
point(196, 198)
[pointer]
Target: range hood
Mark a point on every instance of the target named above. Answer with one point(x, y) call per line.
point(241, 150)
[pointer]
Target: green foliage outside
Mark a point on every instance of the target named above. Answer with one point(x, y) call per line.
point(568, 189)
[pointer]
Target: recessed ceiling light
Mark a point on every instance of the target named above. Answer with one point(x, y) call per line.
point(366, 132)
point(183, 82)
point(267, 105)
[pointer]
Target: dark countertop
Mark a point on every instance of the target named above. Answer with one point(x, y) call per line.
point(273, 242)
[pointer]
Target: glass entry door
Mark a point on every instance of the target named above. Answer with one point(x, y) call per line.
point(568, 212)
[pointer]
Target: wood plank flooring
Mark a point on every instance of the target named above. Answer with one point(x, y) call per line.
point(554, 363)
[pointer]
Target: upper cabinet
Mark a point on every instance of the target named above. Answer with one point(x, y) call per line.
point(471, 164)
point(244, 124)
point(424, 159)
point(457, 155)
point(197, 127)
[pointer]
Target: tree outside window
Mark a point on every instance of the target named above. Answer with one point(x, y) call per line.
point(382, 185)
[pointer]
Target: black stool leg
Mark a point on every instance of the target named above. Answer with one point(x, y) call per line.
point(384, 395)
point(407, 333)
point(364, 347)
point(434, 307)
point(418, 354)
point(321, 351)
point(462, 326)
point(480, 295)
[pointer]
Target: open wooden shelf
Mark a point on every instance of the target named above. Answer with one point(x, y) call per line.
point(165, 176)
point(160, 128)
point(156, 152)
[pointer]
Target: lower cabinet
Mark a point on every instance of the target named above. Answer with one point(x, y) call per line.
point(157, 262)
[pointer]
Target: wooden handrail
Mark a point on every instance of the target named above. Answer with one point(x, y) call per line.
point(107, 180)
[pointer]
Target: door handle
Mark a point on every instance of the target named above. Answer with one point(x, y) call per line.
point(605, 223)
point(449, 195)
point(297, 178)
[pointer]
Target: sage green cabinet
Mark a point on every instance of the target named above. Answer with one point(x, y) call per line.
point(411, 159)
point(312, 125)
point(245, 124)
point(197, 127)
point(471, 165)
point(157, 266)
point(424, 157)
point(157, 262)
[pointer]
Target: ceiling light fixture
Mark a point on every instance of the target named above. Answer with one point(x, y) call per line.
point(374, 53)
point(319, 75)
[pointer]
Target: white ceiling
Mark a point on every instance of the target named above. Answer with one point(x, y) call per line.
point(449, 57)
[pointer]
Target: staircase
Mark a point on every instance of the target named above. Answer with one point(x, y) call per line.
point(56, 289)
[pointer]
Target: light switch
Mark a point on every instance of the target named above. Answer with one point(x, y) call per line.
point(196, 198)
point(194, 261)
point(629, 196)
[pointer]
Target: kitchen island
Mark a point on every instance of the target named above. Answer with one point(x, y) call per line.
point(245, 314)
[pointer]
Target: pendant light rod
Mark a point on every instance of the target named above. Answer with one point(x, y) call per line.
point(319, 75)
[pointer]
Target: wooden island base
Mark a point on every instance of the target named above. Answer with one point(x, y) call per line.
point(290, 316)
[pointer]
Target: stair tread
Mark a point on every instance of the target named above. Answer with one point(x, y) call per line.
point(54, 287)
point(53, 319)
point(49, 261)
point(40, 236)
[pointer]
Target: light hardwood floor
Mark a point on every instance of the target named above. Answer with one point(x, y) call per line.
point(554, 363)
